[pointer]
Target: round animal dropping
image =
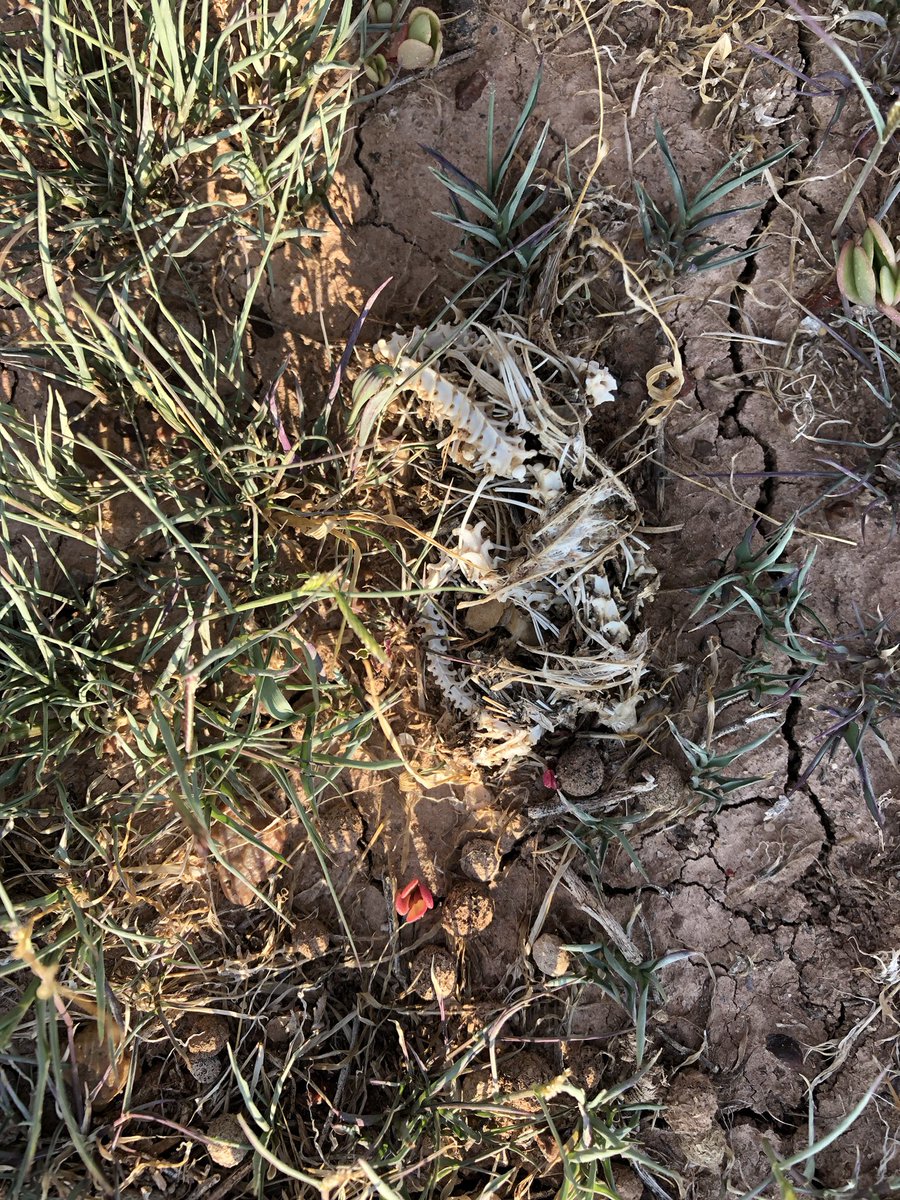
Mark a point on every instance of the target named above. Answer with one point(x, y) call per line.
point(580, 770)
point(203, 1033)
point(550, 956)
point(692, 1103)
point(228, 1129)
point(206, 1068)
point(433, 965)
point(480, 860)
point(468, 910)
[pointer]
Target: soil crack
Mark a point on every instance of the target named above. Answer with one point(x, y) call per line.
point(795, 771)
point(365, 170)
point(375, 221)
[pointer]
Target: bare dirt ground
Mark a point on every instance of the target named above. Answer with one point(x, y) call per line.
point(787, 900)
point(790, 907)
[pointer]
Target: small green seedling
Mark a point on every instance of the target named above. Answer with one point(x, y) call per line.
point(769, 585)
point(868, 272)
point(377, 69)
point(506, 206)
point(681, 243)
point(424, 43)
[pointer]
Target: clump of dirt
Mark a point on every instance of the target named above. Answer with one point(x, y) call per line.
point(311, 939)
point(691, 1107)
point(254, 863)
point(203, 1033)
point(691, 1104)
point(340, 827)
point(224, 1131)
point(515, 1079)
point(203, 1036)
point(524, 1073)
point(468, 910)
point(581, 770)
point(206, 1068)
point(480, 860)
point(433, 969)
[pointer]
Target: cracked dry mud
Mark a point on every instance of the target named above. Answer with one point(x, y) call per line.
point(790, 908)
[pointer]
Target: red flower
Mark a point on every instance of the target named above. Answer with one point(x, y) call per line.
point(550, 780)
point(414, 901)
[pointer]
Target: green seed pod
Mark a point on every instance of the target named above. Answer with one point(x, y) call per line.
point(413, 55)
point(863, 277)
point(844, 272)
point(420, 29)
point(887, 285)
point(881, 244)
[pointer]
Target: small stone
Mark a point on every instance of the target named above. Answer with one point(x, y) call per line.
point(227, 1129)
point(468, 909)
point(206, 1068)
point(310, 939)
point(481, 618)
point(480, 860)
point(550, 956)
point(280, 1029)
point(580, 770)
point(433, 965)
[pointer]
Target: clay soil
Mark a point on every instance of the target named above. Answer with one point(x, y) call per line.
point(788, 905)
point(786, 899)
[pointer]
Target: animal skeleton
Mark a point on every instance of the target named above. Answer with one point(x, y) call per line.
point(555, 571)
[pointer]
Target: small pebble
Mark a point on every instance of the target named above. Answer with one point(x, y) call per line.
point(550, 956)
